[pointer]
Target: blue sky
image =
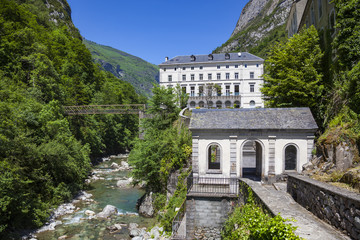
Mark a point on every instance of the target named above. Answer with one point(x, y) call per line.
point(155, 29)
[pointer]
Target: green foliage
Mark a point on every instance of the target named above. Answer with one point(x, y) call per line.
point(45, 157)
point(293, 75)
point(347, 40)
point(168, 212)
point(141, 74)
point(250, 222)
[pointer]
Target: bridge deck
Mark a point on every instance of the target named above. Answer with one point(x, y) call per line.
point(105, 109)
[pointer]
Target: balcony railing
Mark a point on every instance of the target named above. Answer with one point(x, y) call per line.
point(213, 186)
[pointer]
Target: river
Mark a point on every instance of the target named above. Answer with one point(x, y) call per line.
point(78, 225)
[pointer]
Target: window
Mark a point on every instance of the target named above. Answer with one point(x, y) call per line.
point(184, 77)
point(218, 66)
point(218, 76)
point(227, 56)
point(236, 75)
point(183, 90)
point(184, 68)
point(201, 67)
point(236, 104)
point(252, 87)
point(192, 91)
point(214, 157)
point(192, 76)
point(227, 90)
point(209, 76)
point(228, 104)
point(164, 69)
point(175, 69)
point(218, 91)
point(192, 68)
point(227, 66)
point(245, 65)
point(312, 14)
point(236, 66)
point(219, 104)
point(290, 157)
point(251, 75)
point(320, 8)
point(201, 91)
point(237, 88)
point(227, 76)
point(169, 78)
point(201, 104)
point(257, 65)
point(201, 76)
point(252, 103)
point(192, 104)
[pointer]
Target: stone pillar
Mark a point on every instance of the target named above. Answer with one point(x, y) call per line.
point(195, 155)
point(233, 160)
point(272, 140)
point(190, 218)
point(310, 146)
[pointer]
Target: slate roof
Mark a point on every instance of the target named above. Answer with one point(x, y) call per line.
point(253, 118)
point(245, 56)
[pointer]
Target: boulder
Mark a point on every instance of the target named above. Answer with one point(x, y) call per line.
point(343, 157)
point(124, 164)
point(123, 183)
point(134, 232)
point(107, 211)
point(352, 177)
point(133, 225)
point(89, 213)
point(115, 166)
point(146, 207)
point(308, 166)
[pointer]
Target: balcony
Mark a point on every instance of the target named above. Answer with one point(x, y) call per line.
point(212, 187)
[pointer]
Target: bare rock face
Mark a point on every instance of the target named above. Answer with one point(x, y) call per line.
point(344, 157)
point(146, 207)
point(277, 12)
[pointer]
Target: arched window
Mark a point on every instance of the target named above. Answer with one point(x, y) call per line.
point(192, 104)
point(290, 157)
point(214, 156)
point(219, 104)
point(252, 103)
point(236, 104)
point(201, 104)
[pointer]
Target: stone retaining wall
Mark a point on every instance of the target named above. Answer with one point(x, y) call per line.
point(337, 206)
point(205, 216)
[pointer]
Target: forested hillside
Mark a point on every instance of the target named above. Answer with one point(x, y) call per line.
point(141, 74)
point(44, 155)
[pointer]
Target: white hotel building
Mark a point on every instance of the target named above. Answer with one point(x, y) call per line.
point(239, 76)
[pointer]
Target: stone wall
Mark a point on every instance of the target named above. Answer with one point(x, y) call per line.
point(205, 216)
point(336, 206)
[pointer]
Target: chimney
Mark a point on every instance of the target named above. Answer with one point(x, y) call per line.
point(166, 59)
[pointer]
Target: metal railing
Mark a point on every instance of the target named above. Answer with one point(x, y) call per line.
point(178, 223)
point(105, 109)
point(213, 186)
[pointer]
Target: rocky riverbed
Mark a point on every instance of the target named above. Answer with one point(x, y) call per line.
point(106, 211)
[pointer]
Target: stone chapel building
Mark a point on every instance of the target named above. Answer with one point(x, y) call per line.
point(262, 142)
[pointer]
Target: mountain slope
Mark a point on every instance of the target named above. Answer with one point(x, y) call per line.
point(141, 74)
point(261, 23)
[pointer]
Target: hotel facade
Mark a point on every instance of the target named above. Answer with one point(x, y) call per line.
point(226, 80)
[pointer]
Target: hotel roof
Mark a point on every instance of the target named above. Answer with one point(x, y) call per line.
point(221, 57)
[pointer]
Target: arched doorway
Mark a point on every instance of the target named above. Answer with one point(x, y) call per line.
point(252, 160)
point(227, 104)
point(290, 158)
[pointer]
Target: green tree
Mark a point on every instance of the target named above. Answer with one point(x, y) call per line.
point(347, 40)
point(293, 77)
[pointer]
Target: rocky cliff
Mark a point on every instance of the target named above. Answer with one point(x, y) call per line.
point(261, 23)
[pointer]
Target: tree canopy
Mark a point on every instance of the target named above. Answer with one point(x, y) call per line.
point(293, 75)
